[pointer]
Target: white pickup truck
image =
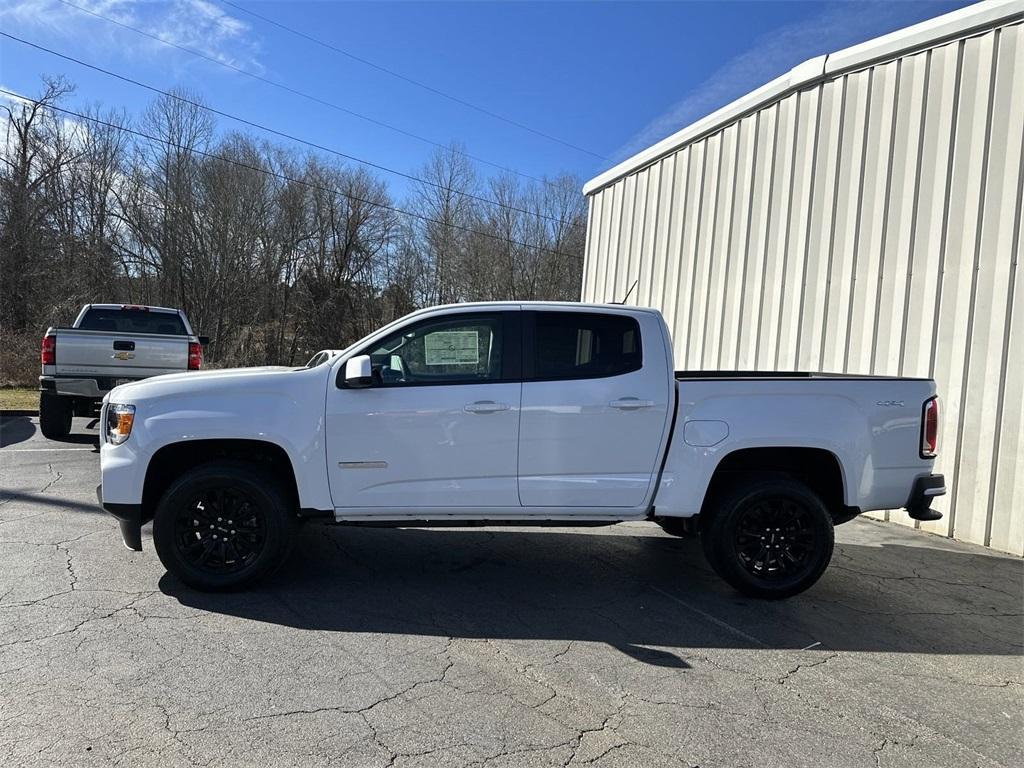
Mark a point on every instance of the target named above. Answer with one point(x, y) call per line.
point(515, 414)
point(107, 345)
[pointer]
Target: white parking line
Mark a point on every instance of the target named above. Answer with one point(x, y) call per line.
point(42, 450)
point(713, 619)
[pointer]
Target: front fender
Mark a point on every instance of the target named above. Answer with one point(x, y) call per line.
point(291, 420)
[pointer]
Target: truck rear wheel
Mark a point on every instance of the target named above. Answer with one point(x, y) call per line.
point(55, 414)
point(769, 536)
point(223, 526)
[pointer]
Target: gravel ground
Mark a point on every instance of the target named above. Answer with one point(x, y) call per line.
point(490, 646)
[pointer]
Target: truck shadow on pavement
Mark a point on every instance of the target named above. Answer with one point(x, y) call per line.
point(643, 594)
point(15, 429)
point(55, 502)
point(18, 429)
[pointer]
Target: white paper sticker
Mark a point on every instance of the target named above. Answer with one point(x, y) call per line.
point(452, 348)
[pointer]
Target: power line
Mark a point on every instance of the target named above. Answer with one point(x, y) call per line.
point(297, 92)
point(413, 81)
point(282, 134)
point(286, 177)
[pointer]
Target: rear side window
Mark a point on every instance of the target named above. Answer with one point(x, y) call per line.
point(581, 345)
point(132, 321)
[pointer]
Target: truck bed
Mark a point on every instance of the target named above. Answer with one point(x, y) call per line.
point(871, 425)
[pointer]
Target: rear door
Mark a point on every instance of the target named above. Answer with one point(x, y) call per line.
point(595, 408)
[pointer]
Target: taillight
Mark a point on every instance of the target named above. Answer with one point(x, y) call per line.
point(48, 351)
point(195, 355)
point(930, 429)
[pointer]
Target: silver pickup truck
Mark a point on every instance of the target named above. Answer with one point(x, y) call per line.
point(108, 345)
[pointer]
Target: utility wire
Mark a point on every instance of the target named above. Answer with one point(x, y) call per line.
point(274, 131)
point(406, 78)
point(286, 177)
point(296, 92)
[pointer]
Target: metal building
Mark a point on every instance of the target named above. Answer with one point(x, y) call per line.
point(861, 214)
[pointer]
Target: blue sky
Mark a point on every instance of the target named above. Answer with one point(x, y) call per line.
point(611, 78)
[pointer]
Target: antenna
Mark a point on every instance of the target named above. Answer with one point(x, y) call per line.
point(624, 298)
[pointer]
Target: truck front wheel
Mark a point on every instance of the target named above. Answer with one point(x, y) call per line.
point(769, 536)
point(55, 414)
point(223, 526)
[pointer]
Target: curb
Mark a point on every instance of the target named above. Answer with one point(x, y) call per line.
point(19, 412)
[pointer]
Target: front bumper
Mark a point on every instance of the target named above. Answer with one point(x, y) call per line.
point(129, 518)
point(926, 488)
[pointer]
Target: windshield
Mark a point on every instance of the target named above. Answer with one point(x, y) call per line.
point(320, 358)
point(133, 321)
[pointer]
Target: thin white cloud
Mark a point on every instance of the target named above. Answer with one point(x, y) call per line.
point(11, 100)
point(772, 55)
point(76, 129)
point(196, 24)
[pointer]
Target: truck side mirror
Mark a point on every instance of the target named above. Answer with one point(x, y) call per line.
point(203, 340)
point(359, 372)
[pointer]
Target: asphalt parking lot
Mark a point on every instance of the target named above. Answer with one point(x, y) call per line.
point(499, 647)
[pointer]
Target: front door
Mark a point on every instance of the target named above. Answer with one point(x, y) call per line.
point(439, 427)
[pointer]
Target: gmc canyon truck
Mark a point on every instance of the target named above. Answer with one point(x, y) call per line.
point(107, 345)
point(514, 414)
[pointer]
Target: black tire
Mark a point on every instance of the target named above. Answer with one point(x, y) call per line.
point(55, 414)
point(223, 526)
point(769, 536)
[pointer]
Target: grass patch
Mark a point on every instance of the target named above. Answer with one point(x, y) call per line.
point(19, 398)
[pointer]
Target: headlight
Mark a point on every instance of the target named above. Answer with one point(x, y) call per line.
point(119, 422)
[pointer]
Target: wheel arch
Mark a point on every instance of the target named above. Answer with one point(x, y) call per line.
point(174, 459)
point(819, 468)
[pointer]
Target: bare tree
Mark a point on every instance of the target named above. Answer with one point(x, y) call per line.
point(273, 253)
point(444, 201)
point(36, 151)
point(180, 128)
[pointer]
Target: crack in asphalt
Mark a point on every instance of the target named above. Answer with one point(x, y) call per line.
point(61, 633)
point(583, 732)
point(915, 576)
point(363, 710)
point(876, 753)
point(50, 484)
point(810, 665)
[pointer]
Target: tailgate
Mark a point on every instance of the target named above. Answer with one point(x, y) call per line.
point(119, 355)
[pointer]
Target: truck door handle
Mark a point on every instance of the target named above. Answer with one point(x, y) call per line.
point(124, 346)
point(485, 406)
point(631, 404)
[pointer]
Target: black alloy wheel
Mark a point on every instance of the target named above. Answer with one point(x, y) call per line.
point(768, 535)
point(221, 531)
point(776, 538)
point(224, 525)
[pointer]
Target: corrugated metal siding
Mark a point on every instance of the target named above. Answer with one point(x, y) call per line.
point(867, 224)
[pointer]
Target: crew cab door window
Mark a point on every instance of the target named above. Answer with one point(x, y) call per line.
point(439, 426)
point(443, 351)
point(584, 346)
point(594, 411)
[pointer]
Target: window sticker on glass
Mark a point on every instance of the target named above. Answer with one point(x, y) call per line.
point(452, 348)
